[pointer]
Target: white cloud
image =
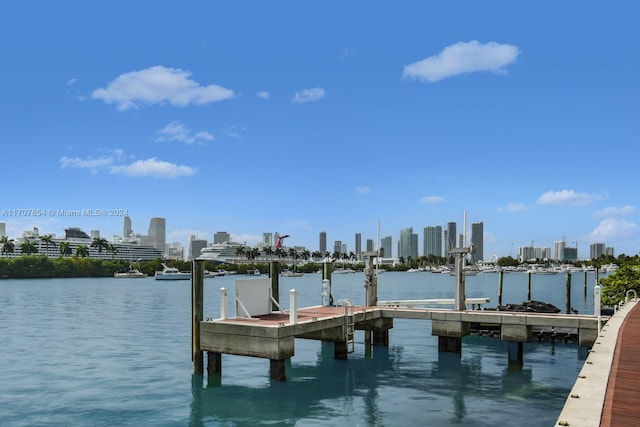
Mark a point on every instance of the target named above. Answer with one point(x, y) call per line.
point(71, 81)
point(175, 131)
point(461, 58)
point(308, 95)
point(614, 211)
point(89, 163)
point(155, 168)
point(150, 167)
point(567, 197)
point(432, 199)
point(159, 85)
point(363, 190)
point(612, 228)
point(263, 95)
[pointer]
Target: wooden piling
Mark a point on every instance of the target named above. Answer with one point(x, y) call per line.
point(197, 314)
point(274, 274)
point(327, 268)
point(500, 280)
point(568, 293)
point(529, 288)
point(214, 363)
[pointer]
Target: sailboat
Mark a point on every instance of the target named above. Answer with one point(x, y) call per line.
point(132, 273)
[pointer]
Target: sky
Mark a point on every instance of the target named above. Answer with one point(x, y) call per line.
point(301, 117)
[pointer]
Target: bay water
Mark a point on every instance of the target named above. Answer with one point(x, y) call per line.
point(116, 352)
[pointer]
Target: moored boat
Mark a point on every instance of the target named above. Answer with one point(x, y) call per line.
point(172, 273)
point(130, 274)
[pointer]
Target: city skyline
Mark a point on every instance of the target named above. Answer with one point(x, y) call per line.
point(301, 117)
point(434, 238)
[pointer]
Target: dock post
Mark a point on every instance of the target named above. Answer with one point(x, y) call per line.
point(214, 365)
point(274, 273)
point(529, 287)
point(500, 280)
point(516, 352)
point(326, 275)
point(568, 293)
point(277, 369)
point(293, 306)
point(197, 314)
point(450, 344)
point(341, 350)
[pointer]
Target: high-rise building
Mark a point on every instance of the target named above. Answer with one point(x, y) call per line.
point(195, 246)
point(221, 237)
point(267, 239)
point(370, 247)
point(596, 250)
point(157, 233)
point(386, 244)
point(322, 245)
point(558, 247)
point(432, 241)
point(358, 246)
point(477, 240)
point(126, 230)
point(3, 229)
point(407, 245)
point(451, 235)
point(337, 246)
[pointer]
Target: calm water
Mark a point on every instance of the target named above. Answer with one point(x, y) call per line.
point(116, 352)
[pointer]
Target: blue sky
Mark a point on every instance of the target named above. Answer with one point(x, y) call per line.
point(301, 117)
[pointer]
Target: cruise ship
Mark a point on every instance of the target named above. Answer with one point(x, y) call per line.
point(220, 252)
point(75, 237)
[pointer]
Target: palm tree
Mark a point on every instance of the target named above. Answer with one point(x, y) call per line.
point(65, 248)
point(28, 247)
point(240, 251)
point(293, 254)
point(47, 240)
point(100, 244)
point(82, 251)
point(268, 251)
point(7, 245)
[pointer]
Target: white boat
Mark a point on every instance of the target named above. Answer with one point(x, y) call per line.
point(171, 273)
point(289, 273)
point(218, 273)
point(220, 252)
point(343, 271)
point(133, 273)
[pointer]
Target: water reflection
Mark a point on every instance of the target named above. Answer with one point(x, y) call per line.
point(366, 387)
